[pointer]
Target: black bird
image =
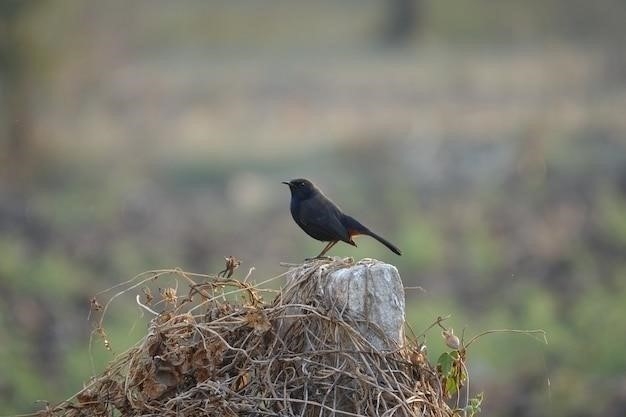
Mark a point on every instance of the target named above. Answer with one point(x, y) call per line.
point(321, 219)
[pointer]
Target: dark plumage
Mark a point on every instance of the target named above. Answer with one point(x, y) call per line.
point(321, 219)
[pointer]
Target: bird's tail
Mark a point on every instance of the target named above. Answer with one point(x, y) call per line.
point(384, 241)
point(356, 228)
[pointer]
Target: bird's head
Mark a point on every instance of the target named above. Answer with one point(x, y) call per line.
point(301, 188)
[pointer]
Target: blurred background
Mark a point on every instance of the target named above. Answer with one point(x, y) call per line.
point(486, 139)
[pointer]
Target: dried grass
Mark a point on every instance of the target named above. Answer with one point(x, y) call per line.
point(223, 351)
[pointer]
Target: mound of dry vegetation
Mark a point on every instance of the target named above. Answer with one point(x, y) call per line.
point(221, 350)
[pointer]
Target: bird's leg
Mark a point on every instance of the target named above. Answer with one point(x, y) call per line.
point(327, 248)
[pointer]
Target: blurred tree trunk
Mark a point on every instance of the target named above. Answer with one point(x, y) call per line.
point(15, 114)
point(403, 20)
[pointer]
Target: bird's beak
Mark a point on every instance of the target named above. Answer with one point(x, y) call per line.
point(286, 183)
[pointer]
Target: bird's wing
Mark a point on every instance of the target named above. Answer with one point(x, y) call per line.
point(322, 218)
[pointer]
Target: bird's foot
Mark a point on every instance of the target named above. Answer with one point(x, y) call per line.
point(327, 258)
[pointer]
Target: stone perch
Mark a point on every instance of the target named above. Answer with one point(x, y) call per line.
point(369, 292)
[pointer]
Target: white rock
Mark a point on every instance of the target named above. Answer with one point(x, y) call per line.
point(370, 290)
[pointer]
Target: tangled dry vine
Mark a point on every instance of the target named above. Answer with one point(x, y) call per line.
point(221, 350)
